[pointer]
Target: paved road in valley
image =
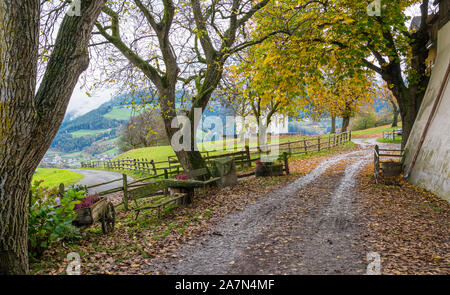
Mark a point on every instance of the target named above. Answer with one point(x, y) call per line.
point(93, 177)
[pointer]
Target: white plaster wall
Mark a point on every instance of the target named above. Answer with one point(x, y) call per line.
point(432, 168)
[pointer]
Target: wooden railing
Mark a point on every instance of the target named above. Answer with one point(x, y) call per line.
point(378, 154)
point(395, 134)
point(243, 158)
point(312, 144)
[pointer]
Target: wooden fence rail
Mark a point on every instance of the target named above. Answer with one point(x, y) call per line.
point(132, 190)
point(244, 158)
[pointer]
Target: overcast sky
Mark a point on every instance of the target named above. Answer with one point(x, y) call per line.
point(81, 103)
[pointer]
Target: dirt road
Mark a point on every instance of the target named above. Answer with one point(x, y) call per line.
point(307, 227)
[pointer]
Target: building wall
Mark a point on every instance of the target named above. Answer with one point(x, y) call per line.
point(432, 168)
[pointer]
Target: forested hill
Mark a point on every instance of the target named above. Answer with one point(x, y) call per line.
point(102, 123)
point(96, 131)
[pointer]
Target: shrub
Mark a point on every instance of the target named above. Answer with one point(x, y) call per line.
point(364, 121)
point(48, 221)
point(79, 187)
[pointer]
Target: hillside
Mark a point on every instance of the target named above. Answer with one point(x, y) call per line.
point(95, 131)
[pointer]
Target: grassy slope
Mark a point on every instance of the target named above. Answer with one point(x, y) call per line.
point(398, 139)
point(119, 113)
point(85, 132)
point(375, 130)
point(53, 177)
point(160, 153)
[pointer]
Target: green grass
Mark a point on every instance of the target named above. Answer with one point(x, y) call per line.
point(54, 177)
point(380, 129)
point(122, 114)
point(86, 132)
point(398, 139)
point(161, 153)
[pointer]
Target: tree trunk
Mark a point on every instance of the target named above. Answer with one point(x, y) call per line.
point(261, 137)
point(190, 158)
point(409, 101)
point(333, 124)
point(345, 123)
point(19, 31)
point(409, 98)
point(29, 121)
point(395, 119)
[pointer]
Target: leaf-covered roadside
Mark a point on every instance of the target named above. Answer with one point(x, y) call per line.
point(408, 226)
point(133, 244)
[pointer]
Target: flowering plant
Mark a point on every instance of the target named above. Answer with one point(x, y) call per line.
point(87, 201)
point(182, 177)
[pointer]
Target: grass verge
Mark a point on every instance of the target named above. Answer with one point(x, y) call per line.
point(54, 177)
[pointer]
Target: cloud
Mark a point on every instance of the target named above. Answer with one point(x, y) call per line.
point(80, 103)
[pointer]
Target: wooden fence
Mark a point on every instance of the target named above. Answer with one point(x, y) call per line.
point(159, 193)
point(310, 145)
point(244, 158)
point(387, 154)
point(395, 134)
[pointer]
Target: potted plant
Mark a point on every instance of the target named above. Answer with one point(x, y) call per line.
point(261, 169)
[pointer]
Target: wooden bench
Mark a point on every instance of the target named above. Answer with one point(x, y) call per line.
point(150, 190)
point(188, 186)
point(186, 195)
point(202, 173)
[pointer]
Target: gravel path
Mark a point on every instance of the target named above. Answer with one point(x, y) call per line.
point(306, 227)
point(93, 177)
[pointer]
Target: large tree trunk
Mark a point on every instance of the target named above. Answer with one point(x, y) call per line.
point(345, 123)
point(409, 101)
point(396, 114)
point(19, 35)
point(261, 137)
point(189, 158)
point(409, 98)
point(29, 122)
point(333, 124)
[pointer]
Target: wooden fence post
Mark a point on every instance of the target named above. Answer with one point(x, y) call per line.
point(154, 167)
point(306, 148)
point(318, 143)
point(166, 176)
point(247, 152)
point(376, 164)
point(286, 163)
point(125, 191)
point(61, 189)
